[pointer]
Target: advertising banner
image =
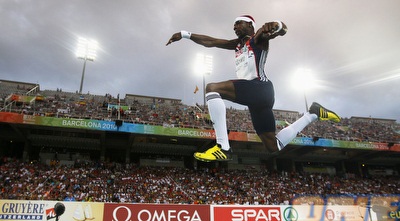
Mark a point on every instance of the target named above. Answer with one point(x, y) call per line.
point(116, 106)
point(156, 212)
point(9, 117)
point(50, 210)
point(84, 211)
point(248, 213)
point(91, 124)
point(301, 213)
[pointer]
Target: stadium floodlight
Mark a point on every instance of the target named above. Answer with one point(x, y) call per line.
point(87, 51)
point(203, 66)
point(303, 79)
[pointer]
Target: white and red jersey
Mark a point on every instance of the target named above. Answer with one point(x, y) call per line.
point(250, 61)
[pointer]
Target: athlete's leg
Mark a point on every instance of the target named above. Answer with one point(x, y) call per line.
point(215, 92)
point(288, 133)
point(264, 123)
point(269, 141)
point(260, 102)
point(226, 89)
point(316, 112)
point(275, 143)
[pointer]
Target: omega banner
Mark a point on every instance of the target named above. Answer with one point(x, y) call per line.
point(156, 212)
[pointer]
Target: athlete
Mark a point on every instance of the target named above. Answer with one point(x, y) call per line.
point(252, 88)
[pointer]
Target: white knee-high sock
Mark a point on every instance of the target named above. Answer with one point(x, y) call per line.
point(289, 133)
point(217, 110)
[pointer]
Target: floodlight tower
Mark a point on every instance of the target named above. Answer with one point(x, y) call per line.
point(86, 51)
point(304, 80)
point(203, 67)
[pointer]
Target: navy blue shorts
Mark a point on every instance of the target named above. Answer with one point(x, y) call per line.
point(259, 97)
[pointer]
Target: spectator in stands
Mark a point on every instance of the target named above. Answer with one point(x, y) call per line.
point(113, 182)
point(176, 115)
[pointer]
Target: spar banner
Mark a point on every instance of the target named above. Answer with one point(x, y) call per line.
point(306, 212)
point(156, 212)
point(50, 210)
point(89, 124)
point(248, 213)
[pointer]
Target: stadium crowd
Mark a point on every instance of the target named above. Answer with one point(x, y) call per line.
point(113, 182)
point(72, 105)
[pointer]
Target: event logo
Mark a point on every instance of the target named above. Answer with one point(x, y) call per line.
point(195, 133)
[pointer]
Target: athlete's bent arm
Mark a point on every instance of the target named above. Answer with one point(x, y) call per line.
point(267, 32)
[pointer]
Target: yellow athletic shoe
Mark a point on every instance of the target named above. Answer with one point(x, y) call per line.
point(215, 153)
point(323, 113)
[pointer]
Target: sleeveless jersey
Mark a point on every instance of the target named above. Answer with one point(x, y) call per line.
point(250, 61)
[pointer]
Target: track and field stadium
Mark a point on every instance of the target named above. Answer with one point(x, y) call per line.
point(104, 157)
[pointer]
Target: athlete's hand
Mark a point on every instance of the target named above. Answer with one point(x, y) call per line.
point(271, 28)
point(267, 32)
point(175, 37)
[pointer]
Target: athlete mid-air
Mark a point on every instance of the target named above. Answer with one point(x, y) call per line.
point(252, 88)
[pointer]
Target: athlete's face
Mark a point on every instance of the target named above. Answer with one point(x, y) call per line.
point(242, 28)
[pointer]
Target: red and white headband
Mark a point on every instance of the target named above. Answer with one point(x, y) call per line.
point(246, 18)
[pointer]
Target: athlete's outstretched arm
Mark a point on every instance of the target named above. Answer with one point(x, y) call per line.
point(206, 41)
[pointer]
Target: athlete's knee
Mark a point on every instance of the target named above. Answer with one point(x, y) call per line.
point(269, 141)
point(212, 87)
point(221, 87)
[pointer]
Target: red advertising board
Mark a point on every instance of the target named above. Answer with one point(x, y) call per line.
point(246, 213)
point(159, 212)
point(11, 117)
